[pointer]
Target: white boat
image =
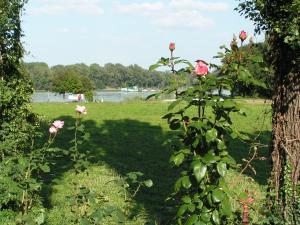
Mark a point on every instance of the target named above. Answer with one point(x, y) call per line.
point(76, 97)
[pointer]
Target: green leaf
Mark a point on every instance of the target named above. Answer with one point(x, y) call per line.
point(175, 124)
point(178, 159)
point(148, 183)
point(191, 207)
point(217, 195)
point(152, 95)
point(186, 199)
point(199, 171)
point(211, 135)
point(191, 220)
point(257, 58)
point(226, 207)
point(84, 221)
point(154, 66)
point(228, 104)
point(177, 185)
point(200, 223)
point(221, 144)
point(45, 168)
point(97, 215)
point(222, 168)
point(210, 158)
point(173, 105)
point(182, 209)
point(215, 217)
point(186, 183)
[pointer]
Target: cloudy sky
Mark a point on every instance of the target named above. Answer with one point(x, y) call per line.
point(128, 31)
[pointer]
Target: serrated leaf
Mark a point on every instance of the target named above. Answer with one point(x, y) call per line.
point(222, 168)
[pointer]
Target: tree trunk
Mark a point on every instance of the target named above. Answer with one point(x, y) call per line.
point(286, 127)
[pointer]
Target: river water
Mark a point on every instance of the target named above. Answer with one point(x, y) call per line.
point(100, 96)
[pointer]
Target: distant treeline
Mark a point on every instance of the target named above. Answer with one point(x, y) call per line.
point(81, 78)
point(107, 76)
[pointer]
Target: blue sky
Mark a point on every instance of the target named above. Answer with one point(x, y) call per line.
point(128, 31)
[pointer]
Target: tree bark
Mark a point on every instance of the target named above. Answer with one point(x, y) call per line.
point(286, 123)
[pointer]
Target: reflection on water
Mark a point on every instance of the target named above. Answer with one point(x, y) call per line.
point(100, 96)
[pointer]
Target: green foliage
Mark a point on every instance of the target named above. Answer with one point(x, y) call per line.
point(276, 16)
point(107, 76)
point(245, 66)
point(280, 20)
point(200, 151)
point(67, 81)
point(19, 161)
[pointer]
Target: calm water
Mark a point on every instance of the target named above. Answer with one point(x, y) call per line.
point(105, 96)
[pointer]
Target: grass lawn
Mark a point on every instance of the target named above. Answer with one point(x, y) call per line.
point(131, 136)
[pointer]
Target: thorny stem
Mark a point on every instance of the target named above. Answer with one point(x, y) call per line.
point(136, 191)
point(75, 138)
point(25, 198)
point(174, 72)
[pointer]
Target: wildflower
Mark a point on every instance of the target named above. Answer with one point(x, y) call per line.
point(81, 109)
point(201, 68)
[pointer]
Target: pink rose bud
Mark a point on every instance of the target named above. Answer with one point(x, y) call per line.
point(172, 46)
point(201, 68)
point(53, 130)
point(243, 36)
point(58, 124)
point(81, 109)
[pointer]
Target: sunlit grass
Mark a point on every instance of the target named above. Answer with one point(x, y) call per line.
point(131, 136)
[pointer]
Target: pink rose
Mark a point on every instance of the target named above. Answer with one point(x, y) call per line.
point(53, 130)
point(81, 109)
point(243, 36)
point(58, 124)
point(172, 46)
point(201, 68)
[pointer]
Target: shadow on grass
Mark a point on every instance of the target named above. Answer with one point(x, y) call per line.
point(261, 164)
point(131, 145)
point(126, 146)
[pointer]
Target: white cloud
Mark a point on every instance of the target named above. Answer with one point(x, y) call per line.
point(175, 13)
point(139, 7)
point(199, 5)
point(54, 7)
point(64, 30)
point(182, 19)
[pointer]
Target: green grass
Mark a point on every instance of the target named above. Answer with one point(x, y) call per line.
point(131, 136)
